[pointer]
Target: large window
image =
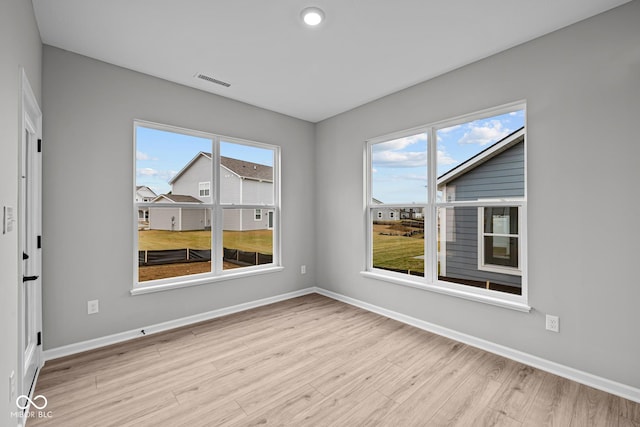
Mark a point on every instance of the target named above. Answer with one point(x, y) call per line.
point(202, 225)
point(447, 206)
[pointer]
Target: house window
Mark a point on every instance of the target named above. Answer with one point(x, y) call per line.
point(379, 215)
point(499, 239)
point(201, 226)
point(460, 188)
point(204, 189)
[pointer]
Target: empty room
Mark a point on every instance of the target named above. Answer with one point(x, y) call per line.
point(329, 213)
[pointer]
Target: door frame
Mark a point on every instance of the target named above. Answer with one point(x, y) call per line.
point(31, 122)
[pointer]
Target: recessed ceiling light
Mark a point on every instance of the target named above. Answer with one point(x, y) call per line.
point(312, 16)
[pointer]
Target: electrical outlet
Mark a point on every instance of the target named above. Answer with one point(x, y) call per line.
point(303, 269)
point(92, 306)
point(553, 323)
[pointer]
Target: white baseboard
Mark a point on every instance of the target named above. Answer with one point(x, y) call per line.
point(70, 349)
point(613, 387)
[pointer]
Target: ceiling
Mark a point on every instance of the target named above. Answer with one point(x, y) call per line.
point(364, 50)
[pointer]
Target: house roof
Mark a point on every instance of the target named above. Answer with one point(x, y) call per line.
point(144, 187)
point(242, 168)
point(176, 198)
point(486, 154)
point(248, 170)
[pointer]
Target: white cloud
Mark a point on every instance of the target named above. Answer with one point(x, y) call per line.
point(400, 143)
point(142, 156)
point(445, 159)
point(404, 159)
point(449, 129)
point(147, 172)
point(486, 133)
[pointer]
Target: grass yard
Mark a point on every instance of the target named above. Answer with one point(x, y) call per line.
point(250, 241)
point(397, 252)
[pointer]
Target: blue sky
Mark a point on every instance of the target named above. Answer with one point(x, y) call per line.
point(400, 166)
point(161, 154)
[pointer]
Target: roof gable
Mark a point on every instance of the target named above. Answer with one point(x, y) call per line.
point(483, 156)
point(242, 168)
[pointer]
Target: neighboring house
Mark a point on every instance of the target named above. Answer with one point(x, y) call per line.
point(495, 173)
point(178, 218)
point(144, 194)
point(383, 213)
point(242, 182)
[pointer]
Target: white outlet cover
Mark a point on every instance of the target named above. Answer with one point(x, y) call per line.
point(92, 306)
point(553, 323)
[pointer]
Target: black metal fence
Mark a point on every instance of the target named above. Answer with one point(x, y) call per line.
point(175, 256)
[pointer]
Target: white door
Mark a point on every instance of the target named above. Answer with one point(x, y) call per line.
point(30, 294)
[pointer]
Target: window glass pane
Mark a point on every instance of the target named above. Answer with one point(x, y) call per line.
point(247, 241)
point(481, 159)
point(399, 170)
point(398, 239)
point(246, 174)
point(501, 220)
point(459, 252)
point(171, 164)
point(176, 242)
point(500, 250)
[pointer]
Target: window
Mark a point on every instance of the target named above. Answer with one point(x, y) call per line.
point(204, 189)
point(197, 232)
point(455, 197)
point(499, 240)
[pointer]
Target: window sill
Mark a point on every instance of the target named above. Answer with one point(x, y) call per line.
point(486, 299)
point(147, 289)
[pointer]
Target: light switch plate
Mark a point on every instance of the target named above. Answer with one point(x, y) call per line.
point(7, 219)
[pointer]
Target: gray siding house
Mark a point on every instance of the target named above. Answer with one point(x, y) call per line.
point(384, 213)
point(241, 182)
point(469, 249)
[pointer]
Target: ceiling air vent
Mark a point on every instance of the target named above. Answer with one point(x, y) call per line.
point(212, 80)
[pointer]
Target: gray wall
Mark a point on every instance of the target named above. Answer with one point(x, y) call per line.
point(19, 46)
point(89, 108)
point(582, 87)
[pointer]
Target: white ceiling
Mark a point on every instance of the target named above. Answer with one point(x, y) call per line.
point(364, 50)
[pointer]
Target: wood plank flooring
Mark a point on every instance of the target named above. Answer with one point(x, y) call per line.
point(312, 361)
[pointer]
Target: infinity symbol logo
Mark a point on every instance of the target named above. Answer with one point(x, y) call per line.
point(28, 401)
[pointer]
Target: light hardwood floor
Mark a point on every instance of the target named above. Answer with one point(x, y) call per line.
point(312, 361)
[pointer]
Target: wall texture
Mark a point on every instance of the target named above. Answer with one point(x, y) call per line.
point(89, 108)
point(582, 87)
point(20, 46)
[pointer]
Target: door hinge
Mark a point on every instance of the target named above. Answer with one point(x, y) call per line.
point(39, 145)
point(39, 242)
point(39, 338)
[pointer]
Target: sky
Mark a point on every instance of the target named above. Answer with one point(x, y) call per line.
point(400, 166)
point(160, 155)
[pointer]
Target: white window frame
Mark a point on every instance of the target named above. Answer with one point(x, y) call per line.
point(430, 281)
point(204, 187)
point(257, 215)
point(218, 273)
point(495, 268)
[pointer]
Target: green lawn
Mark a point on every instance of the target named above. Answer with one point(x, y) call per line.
point(250, 241)
point(397, 252)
